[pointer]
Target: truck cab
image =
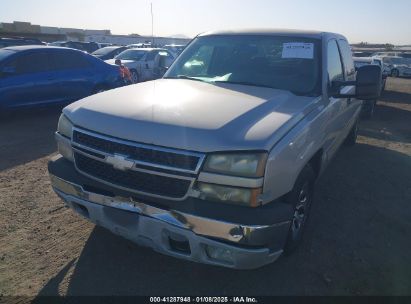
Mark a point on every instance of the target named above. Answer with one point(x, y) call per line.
point(217, 161)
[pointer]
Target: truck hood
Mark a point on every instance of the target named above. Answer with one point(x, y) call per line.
point(192, 115)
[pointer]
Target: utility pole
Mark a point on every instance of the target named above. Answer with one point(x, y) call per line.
point(152, 25)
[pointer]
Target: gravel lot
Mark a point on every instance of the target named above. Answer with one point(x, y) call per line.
point(357, 242)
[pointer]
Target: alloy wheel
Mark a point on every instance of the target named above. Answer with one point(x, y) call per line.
point(300, 211)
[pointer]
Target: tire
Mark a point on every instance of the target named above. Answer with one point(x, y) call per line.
point(352, 136)
point(368, 108)
point(134, 76)
point(395, 73)
point(300, 198)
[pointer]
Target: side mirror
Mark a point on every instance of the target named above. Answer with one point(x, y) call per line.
point(367, 86)
point(369, 82)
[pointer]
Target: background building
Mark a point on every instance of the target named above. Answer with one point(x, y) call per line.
point(51, 34)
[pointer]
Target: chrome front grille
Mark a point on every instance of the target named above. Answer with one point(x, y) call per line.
point(150, 170)
point(130, 179)
point(144, 154)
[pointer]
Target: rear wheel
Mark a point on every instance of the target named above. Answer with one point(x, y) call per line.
point(301, 198)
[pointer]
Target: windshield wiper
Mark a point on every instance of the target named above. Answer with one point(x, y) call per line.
point(245, 83)
point(183, 77)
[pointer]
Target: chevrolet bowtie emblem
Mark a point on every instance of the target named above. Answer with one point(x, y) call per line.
point(119, 162)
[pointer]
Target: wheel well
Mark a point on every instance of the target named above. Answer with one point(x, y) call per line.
point(316, 161)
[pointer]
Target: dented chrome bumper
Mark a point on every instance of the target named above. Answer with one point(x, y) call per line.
point(173, 232)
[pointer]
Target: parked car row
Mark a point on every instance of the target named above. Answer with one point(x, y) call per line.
point(14, 41)
point(88, 47)
point(39, 75)
point(394, 64)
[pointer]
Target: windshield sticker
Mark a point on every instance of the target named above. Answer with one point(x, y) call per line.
point(298, 50)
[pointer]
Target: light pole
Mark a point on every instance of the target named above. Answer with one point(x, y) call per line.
point(152, 25)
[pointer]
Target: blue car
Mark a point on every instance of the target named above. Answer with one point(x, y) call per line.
point(41, 75)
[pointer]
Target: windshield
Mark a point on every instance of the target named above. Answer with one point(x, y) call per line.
point(135, 55)
point(104, 51)
point(286, 63)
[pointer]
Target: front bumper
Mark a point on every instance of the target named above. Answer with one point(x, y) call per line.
point(247, 246)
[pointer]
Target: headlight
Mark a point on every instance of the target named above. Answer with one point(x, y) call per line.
point(230, 195)
point(65, 127)
point(237, 164)
point(63, 137)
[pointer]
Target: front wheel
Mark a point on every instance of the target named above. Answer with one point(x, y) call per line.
point(134, 76)
point(352, 136)
point(301, 198)
point(368, 108)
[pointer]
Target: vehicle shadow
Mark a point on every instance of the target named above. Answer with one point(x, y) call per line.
point(396, 97)
point(27, 135)
point(357, 242)
point(396, 127)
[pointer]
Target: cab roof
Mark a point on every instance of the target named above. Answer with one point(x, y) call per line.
point(18, 48)
point(274, 32)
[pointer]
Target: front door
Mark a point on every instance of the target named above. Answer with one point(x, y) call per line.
point(337, 106)
point(28, 81)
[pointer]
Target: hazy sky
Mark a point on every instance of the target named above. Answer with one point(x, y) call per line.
point(360, 20)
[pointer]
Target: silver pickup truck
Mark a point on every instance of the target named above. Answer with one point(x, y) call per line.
point(216, 162)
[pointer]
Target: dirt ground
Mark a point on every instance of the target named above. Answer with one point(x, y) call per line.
point(357, 242)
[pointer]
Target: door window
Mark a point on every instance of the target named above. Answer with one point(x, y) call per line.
point(69, 60)
point(151, 55)
point(29, 64)
point(349, 68)
point(334, 65)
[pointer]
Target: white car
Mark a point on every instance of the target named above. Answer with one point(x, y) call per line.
point(145, 63)
point(398, 66)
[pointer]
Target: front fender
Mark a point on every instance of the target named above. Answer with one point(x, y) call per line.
point(290, 155)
